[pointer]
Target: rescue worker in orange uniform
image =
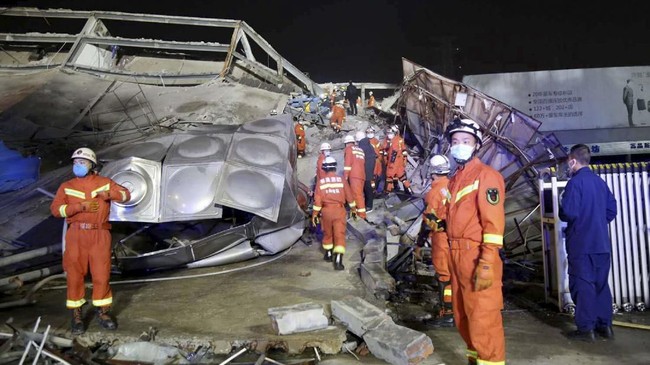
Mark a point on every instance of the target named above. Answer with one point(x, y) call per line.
point(85, 203)
point(325, 151)
point(396, 161)
point(475, 226)
point(332, 192)
point(376, 145)
point(301, 141)
point(371, 100)
point(338, 116)
point(434, 223)
point(354, 172)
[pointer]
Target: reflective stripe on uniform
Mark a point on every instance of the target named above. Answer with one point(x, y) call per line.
point(75, 303)
point(471, 354)
point(339, 249)
point(361, 210)
point(328, 246)
point(446, 292)
point(317, 208)
point(103, 302)
point(123, 195)
point(485, 362)
point(332, 186)
point(106, 187)
point(358, 152)
point(75, 193)
point(62, 210)
point(466, 190)
point(347, 168)
point(496, 239)
point(353, 204)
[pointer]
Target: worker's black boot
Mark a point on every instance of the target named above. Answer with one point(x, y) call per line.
point(586, 336)
point(77, 325)
point(605, 332)
point(105, 319)
point(328, 256)
point(338, 261)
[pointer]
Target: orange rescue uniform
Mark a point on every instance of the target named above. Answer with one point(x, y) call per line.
point(301, 141)
point(337, 118)
point(371, 101)
point(396, 163)
point(435, 212)
point(475, 226)
point(376, 145)
point(88, 238)
point(319, 167)
point(330, 196)
point(355, 174)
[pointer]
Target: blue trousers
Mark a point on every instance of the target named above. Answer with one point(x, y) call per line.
point(590, 290)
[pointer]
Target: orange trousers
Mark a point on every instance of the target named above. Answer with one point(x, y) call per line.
point(440, 260)
point(357, 192)
point(477, 313)
point(334, 224)
point(87, 249)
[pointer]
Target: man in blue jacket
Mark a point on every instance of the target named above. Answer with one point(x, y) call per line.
point(587, 206)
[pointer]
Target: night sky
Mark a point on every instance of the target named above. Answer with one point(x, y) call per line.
point(365, 40)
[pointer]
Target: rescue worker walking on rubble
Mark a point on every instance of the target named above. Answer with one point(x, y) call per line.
point(330, 196)
point(475, 226)
point(338, 116)
point(379, 157)
point(354, 172)
point(325, 151)
point(371, 100)
point(85, 203)
point(587, 205)
point(369, 168)
point(351, 94)
point(301, 141)
point(396, 164)
point(434, 224)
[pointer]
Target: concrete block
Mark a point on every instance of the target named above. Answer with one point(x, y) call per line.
point(374, 251)
point(297, 318)
point(358, 315)
point(391, 251)
point(375, 277)
point(362, 230)
point(390, 238)
point(392, 200)
point(398, 345)
point(408, 209)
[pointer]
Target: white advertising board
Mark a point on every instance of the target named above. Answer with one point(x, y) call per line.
point(615, 97)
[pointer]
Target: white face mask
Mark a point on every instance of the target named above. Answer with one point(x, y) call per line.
point(370, 135)
point(390, 135)
point(461, 152)
point(326, 153)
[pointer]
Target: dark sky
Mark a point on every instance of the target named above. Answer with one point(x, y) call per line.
point(365, 40)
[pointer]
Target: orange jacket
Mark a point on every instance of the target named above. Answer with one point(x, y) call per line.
point(476, 205)
point(354, 165)
point(374, 142)
point(331, 190)
point(68, 199)
point(396, 155)
point(338, 114)
point(300, 136)
point(319, 167)
point(371, 101)
point(435, 200)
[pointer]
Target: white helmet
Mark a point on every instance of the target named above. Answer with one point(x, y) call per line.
point(325, 146)
point(394, 129)
point(465, 125)
point(371, 93)
point(329, 163)
point(85, 153)
point(439, 165)
point(359, 136)
point(348, 139)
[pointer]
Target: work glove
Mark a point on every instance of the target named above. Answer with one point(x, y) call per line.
point(442, 225)
point(353, 214)
point(315, 220)
point(88, 206)
point(483, 275)
point(104, 195)
point(422, 238)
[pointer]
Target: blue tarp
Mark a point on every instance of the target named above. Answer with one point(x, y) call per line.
point(16, 171)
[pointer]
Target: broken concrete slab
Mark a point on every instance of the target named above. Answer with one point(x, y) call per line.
point(391, 238)
point(397, 344)
point(391, 251)
point(298, 318)
point(358, 315)
point(392, 200)
point(375, 277)
point(363, 230)
point(408, 210)
point(374, 251)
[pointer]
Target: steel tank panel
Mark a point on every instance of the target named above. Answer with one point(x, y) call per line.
point(198, 147)
point(268, 152)
point(153, 149)
point(142, 178)
point(277, 126)
point(188, 191)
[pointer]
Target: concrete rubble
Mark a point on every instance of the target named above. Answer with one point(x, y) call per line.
point(298, 318)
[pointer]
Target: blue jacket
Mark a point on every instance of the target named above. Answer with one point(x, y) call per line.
point(587, 206)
